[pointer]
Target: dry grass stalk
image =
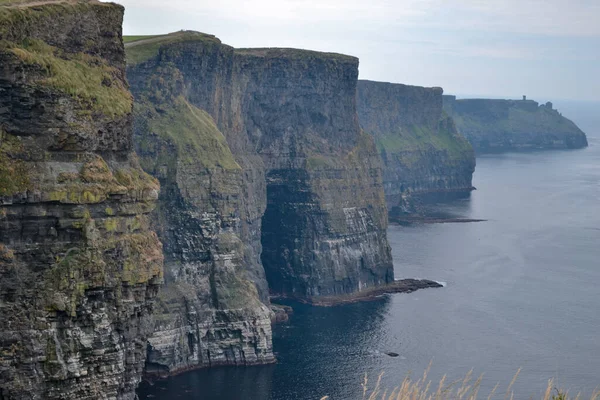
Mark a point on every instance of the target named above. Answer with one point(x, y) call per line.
point(462, 389)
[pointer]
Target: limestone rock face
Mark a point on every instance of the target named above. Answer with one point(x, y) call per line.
point(423, 154)
point(276, 165)
point(79, 265)
point(213, 309)
point(324, 229)
point(509, 125)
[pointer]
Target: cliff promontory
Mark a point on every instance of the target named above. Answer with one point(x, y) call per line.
point(422, 152)
point(267, 178)
point(79, 264)
point(324, 229)
point(213, 309)
point(504, 125)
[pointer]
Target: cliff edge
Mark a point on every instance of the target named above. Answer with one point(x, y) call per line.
point(505, 125)
point(213, 309)
point(79, 265)
point(267, 178)
point(424, 157)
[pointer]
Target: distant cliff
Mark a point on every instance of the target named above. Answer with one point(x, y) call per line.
point(79, 265)
point(504, 125)
point(260, 153)
point(423, 155)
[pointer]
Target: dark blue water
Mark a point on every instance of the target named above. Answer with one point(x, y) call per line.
point(522, 291)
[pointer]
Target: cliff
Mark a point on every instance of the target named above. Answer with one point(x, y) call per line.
point(265, 169)
point(505, 125)
point(210, 310)
point(424, 157)
point(79, 265)
point(324, 229)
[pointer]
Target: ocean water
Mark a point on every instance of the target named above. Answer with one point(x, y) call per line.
point(522, 290)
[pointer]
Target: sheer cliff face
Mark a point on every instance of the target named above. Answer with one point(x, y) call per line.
point(79, 266)
point(213, 308)
point(505, 125)
point(283, 171)
point(423, 154)
point(324, 226)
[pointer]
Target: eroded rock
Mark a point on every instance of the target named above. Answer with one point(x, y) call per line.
point(79, 264)
point(425, 158)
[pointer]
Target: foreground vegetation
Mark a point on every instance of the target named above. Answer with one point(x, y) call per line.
point(462, 389)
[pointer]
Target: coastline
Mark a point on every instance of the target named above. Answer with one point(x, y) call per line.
point(370, 294)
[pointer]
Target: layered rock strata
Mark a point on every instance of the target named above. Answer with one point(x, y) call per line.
point(424, 157)
point(79, 264)
point(275, 164)
point(214, 306)
point(324, 229)
point(509, 125)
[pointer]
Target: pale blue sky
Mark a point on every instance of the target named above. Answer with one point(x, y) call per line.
point(549, 50)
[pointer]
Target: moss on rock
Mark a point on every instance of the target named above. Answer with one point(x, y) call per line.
point(192, 132)
point(14, 174)
point(424, 138)
point(90, 80)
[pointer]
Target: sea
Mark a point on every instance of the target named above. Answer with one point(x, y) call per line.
point(521, 295)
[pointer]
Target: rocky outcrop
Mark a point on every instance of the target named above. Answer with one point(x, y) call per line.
point(213, 309)
point(424, 157)
point(260, 154)
point(324, 229)
point(509, 125)
point(79, 265)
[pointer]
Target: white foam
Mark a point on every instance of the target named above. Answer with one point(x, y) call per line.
point(444, 284)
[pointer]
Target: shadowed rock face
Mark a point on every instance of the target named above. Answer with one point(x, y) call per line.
point(508, 125)
point(324, 227)
point(79, 265)
point(288, 175)
point(423, 154)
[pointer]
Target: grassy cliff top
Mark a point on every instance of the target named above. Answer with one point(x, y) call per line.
point(299, 54)
point(143, 48)
point(516, 121)
point(90, 80)
point(482, 117)
point(58, 21)
point(366, 82)
point(36, 3)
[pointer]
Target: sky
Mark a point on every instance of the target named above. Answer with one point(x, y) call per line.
point(545, 49)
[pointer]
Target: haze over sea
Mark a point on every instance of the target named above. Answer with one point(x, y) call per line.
point(522, 290)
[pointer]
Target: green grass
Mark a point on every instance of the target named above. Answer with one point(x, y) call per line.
point(12, 2)
point(193, 133)
point(511, 120)
point(15, 2)
point(419, 138)
point(134, 38)
point(89, 79)
point(295, 54)
point(138, 52)
point(20, 2)
point(14, 173)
